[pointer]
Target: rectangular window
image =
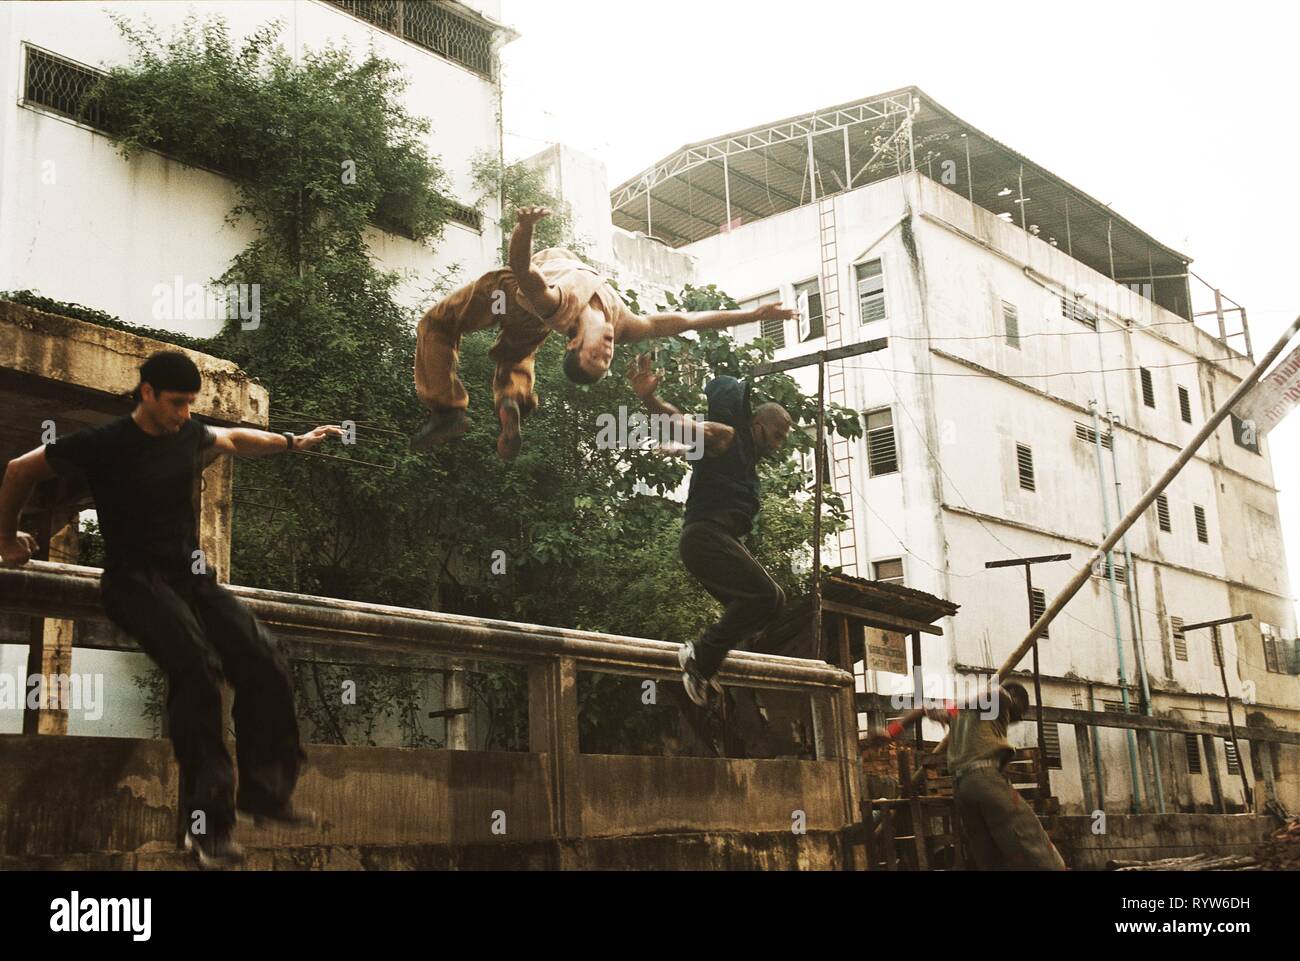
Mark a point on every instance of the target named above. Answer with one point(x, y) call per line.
point(1076, 311)
point(812, 314)
point(1102, 569)
point(1025, 464)
point(1037, 605)
point(1148, 391)
point(1245, 436)
point(772, 329)
point(871, 291)
point(1011, 324)
point(434, 26)
point(1185, 404)
point(1180, 638)
point(1051, 744)
point(1117, 707)
point(1202, 531)
point(1162, 513)
point(1273, 658)
point(1193, 754)
point(882, 453)
point(889, 571)
point(1089, 436)
point(1230, 752)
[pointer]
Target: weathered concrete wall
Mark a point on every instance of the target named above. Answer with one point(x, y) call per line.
point(1146, 837)
point(111, 803)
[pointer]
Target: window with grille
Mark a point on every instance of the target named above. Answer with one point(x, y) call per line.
point(1076, 311)
point(871, 291)
point(1162, 513)
point(435, 26)
point(889, 571)
point(814, 320)
point(744, 333)
point(1011, 324)
point(1273, 656)
point(882, 453)
point(1193, 754)
point(1246, 436)
point(1025, 465)
point(1180, 638)
point(1185, 404)
point(1051, 744)
point(1089, 436)
point(1148, 391)
point(1202, 530)
point(1102, 568)
point(1117, 707)
point(1230, 752)
point(773, 328)
point(1037, 605)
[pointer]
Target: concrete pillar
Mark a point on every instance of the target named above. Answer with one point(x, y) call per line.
point(553, 731)
point(1212, 769)
point(1083, 747)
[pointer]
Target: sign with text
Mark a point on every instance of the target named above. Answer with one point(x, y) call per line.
point(1276, 394)
point(886, 650)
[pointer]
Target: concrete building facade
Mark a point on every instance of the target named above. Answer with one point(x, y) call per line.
point(1043, 368)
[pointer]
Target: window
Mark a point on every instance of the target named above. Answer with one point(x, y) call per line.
point(1117, 707)
point(1230, 752)
point(1148, 392)
point(434, 26)
point(1202, 531)
point(882, 454)
point(1193, 754)
point(1245, 436)
point(1180, 638)
point(1089, 436)
point(1051, 744)
point(772, 329)
point(871, 291)
point(1103, 568)
point(1011, 324)
point(1162, 513)
point(813, 314)
point(1185, 404)
point(1025, 464)
point(889, 571)
point(1274, 659)
point(1037, 605)
point(1076, 311)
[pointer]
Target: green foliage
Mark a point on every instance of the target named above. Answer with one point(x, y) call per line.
point(519, 185)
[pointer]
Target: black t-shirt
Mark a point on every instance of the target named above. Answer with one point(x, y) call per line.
point(143, 488)
point(725, 488)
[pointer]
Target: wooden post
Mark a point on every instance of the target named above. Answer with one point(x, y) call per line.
point(1083, 746)
point(49, 649)
point(1212, 767)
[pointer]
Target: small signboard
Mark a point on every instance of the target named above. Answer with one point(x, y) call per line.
point(886, 650)
point(1276, 394)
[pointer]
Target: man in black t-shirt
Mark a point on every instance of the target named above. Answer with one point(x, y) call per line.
point(142, 471)
point(721, 506)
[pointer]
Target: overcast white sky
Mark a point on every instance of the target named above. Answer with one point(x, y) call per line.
point(1181, 116)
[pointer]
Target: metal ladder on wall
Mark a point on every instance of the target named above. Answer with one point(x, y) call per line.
point(832, 317)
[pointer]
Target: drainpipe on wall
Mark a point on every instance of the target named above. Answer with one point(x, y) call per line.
point(1114, 607)
point(1134, 621)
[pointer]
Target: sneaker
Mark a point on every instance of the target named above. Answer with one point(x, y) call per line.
point(214, 852)
point(287, 816)
point(696, 684)
point(441, 427)
point(509, 441)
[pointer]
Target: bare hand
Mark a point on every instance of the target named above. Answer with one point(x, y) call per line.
point(527, 216)
point(773, 312)
point(312, 438)
point(644, 378)
point(17, 550)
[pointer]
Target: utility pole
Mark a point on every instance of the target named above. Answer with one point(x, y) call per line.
point(1227, 699)
point(820, 358)
point(1028, 563)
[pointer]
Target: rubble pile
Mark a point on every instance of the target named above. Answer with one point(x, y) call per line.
point(1281, 852)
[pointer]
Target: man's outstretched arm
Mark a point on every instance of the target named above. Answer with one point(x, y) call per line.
point(543, 297)
point(645, 379)
point(250, 442)
point(670, 325)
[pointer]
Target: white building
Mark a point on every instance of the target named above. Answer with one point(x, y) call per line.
point(1003, 292)
point(83, 225)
